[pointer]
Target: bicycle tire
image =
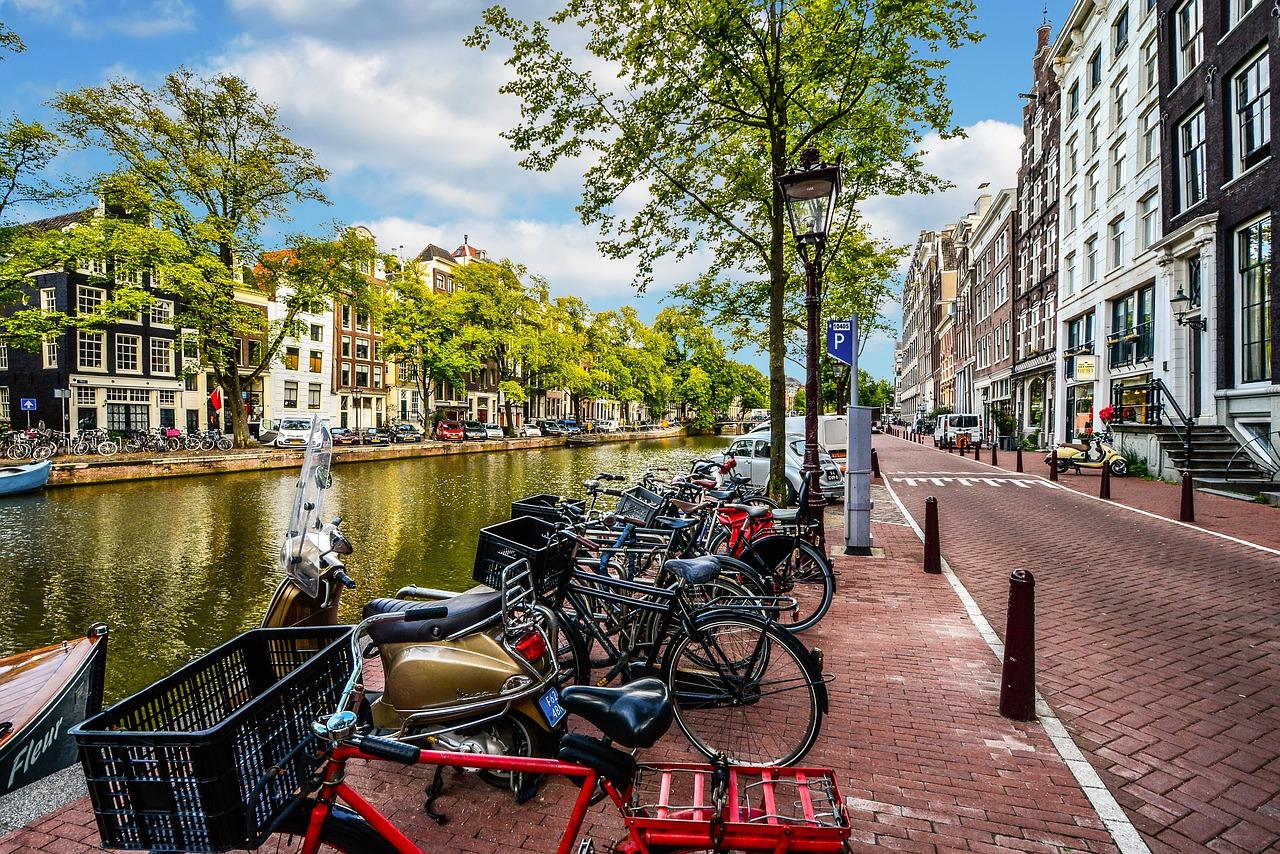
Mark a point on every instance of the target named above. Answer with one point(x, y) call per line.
point(774, 558)
point(773, 668)
point(40, 453)
point(225, 444)
point(108, 448)
point(572, 654)
point(343, 831)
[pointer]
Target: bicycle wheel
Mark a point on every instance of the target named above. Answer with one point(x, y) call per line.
point(42, 452)
point(798, 570)
point(108, 448)
point(744, 687)
point(343, 831)
point(572, 655)
point(224, 444)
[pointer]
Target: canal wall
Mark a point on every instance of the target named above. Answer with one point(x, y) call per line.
point(186, 464)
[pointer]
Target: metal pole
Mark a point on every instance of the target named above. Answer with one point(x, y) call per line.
point(932, 548)
point(810, 469)
point(1187, 510)
point(1018, 676)
point(1104, 488)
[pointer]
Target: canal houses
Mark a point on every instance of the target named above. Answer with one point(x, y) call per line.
point(119, 376)
point(360, 376)
point(300, 382)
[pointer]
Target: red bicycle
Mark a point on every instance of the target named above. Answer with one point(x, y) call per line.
point(666, 808)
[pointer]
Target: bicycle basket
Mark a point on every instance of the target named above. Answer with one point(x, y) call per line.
point(522, 538)
point(207, 759)
point(640, 503)
point(545, 506)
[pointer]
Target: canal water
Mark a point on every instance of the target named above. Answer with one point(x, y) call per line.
point(177, 566)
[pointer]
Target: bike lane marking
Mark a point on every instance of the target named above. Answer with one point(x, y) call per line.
point(1057, 485)
point(972, 480)
point(1123, 833)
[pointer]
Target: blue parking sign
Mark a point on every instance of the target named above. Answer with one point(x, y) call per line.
point(27, 404)
point(840, 340)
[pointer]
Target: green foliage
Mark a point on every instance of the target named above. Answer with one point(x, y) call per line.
point(26, 148)
point(9, 40)
point(798, 401)
point(1006, 424)
point(1137, 463)
point(937, 411)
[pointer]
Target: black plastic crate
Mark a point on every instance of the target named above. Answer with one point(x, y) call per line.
point(206, 759)
point(545, 506)
point(523, 538)
point(642, 504)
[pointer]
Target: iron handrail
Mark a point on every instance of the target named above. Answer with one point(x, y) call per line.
point(1273, 456)
point(1158, 393)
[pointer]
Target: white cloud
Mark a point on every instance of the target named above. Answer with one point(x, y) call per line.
point(134, 18)
point(989, 153)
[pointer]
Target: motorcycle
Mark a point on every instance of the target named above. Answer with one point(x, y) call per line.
point(1093, 454)
point(484, 678)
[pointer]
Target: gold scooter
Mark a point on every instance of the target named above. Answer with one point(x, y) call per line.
point(484, 678)
point(1093, 454)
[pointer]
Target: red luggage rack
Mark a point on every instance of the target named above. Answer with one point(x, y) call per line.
point(777, 809)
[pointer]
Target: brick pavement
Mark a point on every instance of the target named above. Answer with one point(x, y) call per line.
point(924, 759)
point(1157, 644)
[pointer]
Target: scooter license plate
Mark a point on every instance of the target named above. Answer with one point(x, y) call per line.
point(551, 709)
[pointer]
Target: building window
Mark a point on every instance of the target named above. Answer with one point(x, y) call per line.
point(4, 355)
point(317, 361)
point(1132, 337)
point(346, 317)
point(256, 351)
point(362, 348)
point(1091, 260)
point(1095, 69)
point(313, 396)
point(128, 277)
point(362, 376)
point(48, 299)
point(1073, 157)
point(1240, 8)
point(50, 354)
point(162, 313)
point(1093, 132)
point(1117, 167)
point(90, 350)
point(166, 397)
point(4, 402)
point(1150, 68)
point(86, 396)
point(1193, 281)
point(1190, 34)
point(317, 332)
point(1073, 99)
point(1254, 252)
point(346, 376)
point(1069, 273)
point(291, 358)
point(377, 376)
point(1119, 95)
point(1115, 255)
point(346, 346)
point(190, 383)
point(161, 357)
point(1091, 190)
point(1072, 212)
point(1149, 218)
point(1079, 337)
point(127, 353)
point(1120, 31)
point(1150, 135)
point(1252, 92)
point(89, 299)
point(1191, 159)
point(362, 321)
point(290, 395)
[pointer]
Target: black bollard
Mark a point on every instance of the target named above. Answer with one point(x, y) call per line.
point(932, 552)
point(1018, 677)
point(1104, 488)
point(1053, 465)
point(875, 464)
point(977, 450)
point(994, 461)
point(1187, 512)
point(1019, 458)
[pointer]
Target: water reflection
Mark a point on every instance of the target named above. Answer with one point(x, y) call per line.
point(176, 567)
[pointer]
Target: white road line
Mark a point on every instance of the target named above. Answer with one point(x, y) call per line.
point(1123, 833)
point(1039, 478)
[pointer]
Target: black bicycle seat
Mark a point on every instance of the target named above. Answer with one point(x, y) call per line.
point(465, 610)
point(633, 715)
point(722, 494)
point(672, 523)
point(695, 570)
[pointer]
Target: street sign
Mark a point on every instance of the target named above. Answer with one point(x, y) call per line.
point(60, 393)
point(27, 404)
point(840, 340)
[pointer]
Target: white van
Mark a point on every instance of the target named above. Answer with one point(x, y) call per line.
point(949, 426)
point(833, 433)
point(292, 432)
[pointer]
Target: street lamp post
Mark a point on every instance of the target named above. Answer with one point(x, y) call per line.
point(810, 191)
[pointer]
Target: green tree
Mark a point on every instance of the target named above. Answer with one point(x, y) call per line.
point(709, 102)
point(874, 392)
point(798, 401)
point(9, 40)
point(212, 163)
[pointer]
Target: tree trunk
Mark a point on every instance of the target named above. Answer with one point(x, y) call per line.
point(233, 405)
point(777, 334)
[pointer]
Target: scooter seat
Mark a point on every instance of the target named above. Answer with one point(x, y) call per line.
point(751, 510)
point(465, 611)
point(695, 570)
point(633, 715)
point(1079, 446)
point(671, 523)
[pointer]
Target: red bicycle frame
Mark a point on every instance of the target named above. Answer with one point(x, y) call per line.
point(742, 528)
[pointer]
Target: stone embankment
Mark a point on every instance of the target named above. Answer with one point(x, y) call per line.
point(180, 464)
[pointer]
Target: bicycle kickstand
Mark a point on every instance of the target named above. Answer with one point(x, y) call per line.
point(434, 788)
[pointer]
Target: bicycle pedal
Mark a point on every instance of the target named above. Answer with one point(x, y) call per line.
point(587, 846)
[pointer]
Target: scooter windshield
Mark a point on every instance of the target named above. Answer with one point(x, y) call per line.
point(301, 552)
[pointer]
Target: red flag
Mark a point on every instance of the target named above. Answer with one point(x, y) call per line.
point(215, 399)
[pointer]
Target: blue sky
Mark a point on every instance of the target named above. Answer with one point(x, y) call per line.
point(407, 119)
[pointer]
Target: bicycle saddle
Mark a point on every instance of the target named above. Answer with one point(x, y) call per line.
point(751, 510)
point(672, 523)
point(465, 610)
point(788, 515)
point(633, 715)
point(722, 494)
point(695, 570)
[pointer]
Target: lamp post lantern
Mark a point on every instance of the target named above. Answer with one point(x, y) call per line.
point(810, 192)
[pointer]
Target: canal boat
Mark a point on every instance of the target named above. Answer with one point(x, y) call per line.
point(24, 478)
point(581, 439)
point(43, 693)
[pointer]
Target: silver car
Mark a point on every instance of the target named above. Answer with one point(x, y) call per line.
point(752, 453)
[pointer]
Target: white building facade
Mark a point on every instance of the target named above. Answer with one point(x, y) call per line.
point(300, 380)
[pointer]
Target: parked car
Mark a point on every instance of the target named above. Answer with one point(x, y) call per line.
point(833, 433)
point(570, 425)
point(608, 425)
point(474, 430)
point(529, 429)
point(493, 431)
point(343, 436)
point(954, 424)
point(551, 428)
point(752, 453)
point(375, 436)
point(448, 431)
point(292, 433)
point(406, 433)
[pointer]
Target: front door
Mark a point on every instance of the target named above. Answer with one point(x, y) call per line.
point(1195, 351)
